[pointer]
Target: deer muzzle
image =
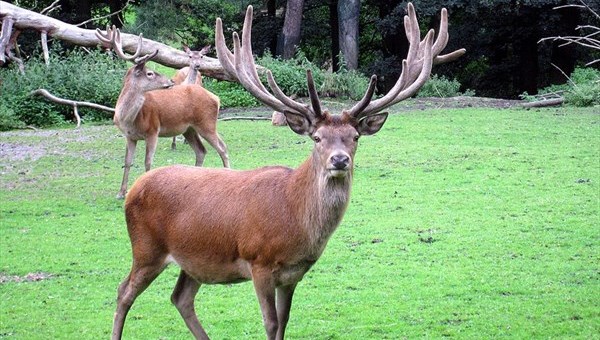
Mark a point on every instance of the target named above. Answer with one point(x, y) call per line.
point(339, 164)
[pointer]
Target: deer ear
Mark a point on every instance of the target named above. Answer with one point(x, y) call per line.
point(371, 124)
point(298, 123)
point(139, 68)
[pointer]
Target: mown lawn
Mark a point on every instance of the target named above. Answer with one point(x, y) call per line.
point(471, 223)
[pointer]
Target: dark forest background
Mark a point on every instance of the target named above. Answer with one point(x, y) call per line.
point(504, 57)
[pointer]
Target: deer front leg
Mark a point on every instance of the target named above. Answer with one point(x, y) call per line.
point(265, 291)
point(151, 142)
point(284, 304)
point(129, 154)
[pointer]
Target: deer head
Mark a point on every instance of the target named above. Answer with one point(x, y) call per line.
point(138, 77)
point(335, 136)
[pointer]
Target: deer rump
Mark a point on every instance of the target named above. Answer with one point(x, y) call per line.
point(228, 229)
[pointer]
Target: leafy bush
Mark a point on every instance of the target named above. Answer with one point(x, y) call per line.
point(582, 89)
point(345, 84)
point(78, 75)
point(231, 94)
point(440, 86)
point(291, 74)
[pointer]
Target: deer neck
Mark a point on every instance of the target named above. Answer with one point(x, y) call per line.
point(322, 200)
point(191, 77)
point(128, 105)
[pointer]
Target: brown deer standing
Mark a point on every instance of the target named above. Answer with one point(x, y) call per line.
point(268, 225)
point(190, 74)
point(146, 110)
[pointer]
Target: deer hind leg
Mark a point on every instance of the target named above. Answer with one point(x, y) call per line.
point(196, 144)
point(174, 143)
point(129, 155)
point(138, 280)
point(183, 298)
point(151, 142)
point(217, 143)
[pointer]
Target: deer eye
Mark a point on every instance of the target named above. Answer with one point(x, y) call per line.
point(317, 139)
point(150, 74)
point(356, 138)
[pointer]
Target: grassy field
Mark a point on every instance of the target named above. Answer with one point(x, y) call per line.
point(473, 223)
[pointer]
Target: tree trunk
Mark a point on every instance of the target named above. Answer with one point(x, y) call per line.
point(564, 57)
point(23, 19)
point(334, 23)
point(348, 12)
point(291, 27)
point(271, 14)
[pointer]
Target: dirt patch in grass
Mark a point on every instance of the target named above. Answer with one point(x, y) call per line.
point(413, 104)
point(31, 277)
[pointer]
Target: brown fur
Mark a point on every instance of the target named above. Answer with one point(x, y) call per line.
point(268, 225)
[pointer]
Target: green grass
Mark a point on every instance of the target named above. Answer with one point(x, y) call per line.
point(473, 223)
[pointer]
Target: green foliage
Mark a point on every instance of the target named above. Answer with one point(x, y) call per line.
point(344, 84)
point(466, 224)
point(291, 74)
point(230, 94)
point(8, 118)
point(440, 86)
point(184, 21)
point(581, 90)
point(77, 75)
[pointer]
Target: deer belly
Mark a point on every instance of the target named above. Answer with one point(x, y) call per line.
point(290, 274)
point(209, 271)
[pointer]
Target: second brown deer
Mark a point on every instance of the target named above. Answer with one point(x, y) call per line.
point(149, 106)
point(190, 74)
point(267, 225)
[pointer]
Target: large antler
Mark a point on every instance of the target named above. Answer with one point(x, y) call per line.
point(240, 65)
point(112, 38)
point(416, 68)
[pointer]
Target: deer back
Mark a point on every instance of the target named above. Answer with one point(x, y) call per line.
point(172, 111)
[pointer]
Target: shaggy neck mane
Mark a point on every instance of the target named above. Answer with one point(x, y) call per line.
point(128, 105)
point(323, 201)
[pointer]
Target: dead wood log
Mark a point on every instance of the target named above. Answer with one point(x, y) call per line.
point(545, 103)
point(15, 19)
point(75, 104)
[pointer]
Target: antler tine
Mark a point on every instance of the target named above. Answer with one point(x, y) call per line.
point(113, 39)
point(118, 47)
point(144, 59)
point(105, 38)
point(312, 93)
point(240, 64)
point(223, 54)
point(416, 68)
point(263, 96)
point(442, 41)
point(359, 107)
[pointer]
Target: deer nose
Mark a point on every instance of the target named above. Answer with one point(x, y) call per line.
point(340, 161)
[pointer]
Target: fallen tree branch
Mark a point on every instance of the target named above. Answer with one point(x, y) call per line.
point(545, 103)
point(19, 19)
point(73, 103)
point(244, 118)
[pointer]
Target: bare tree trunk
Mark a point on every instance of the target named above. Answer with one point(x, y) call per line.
point(334, 23)
point(291, 27)
point(23, 19)
point(348, 12)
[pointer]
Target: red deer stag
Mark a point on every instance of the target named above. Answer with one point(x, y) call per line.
point(190, 74)
point(268, 225)
point(146, 110)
